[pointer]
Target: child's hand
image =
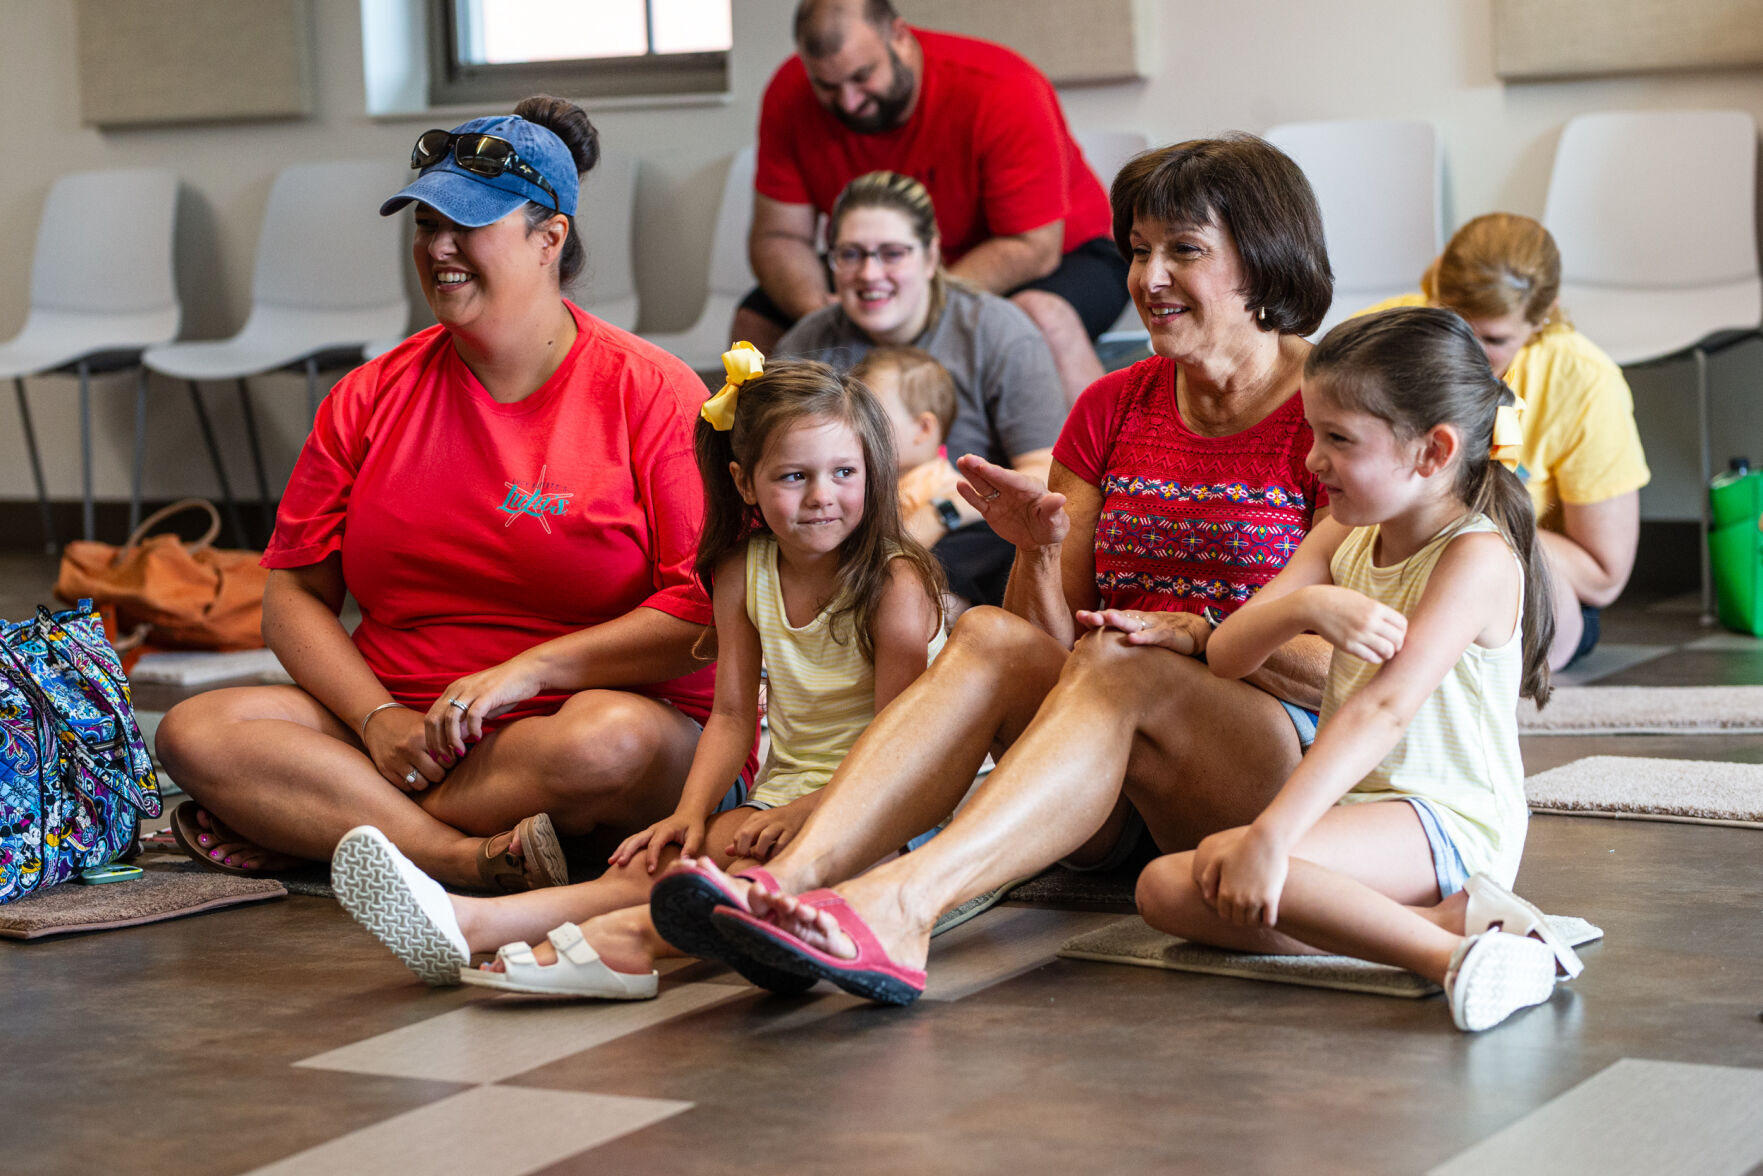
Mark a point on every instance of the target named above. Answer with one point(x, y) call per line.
point(1241, 873)
point(1354, 623)
point(686, 832)
point(768, 830)
point(1182, 632)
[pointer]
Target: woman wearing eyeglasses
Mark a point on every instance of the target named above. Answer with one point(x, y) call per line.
point(511, 498)
point(891, 288)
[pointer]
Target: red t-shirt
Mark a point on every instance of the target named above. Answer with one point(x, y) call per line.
point(987, 140)
point(1186, 520)
point(472, 530)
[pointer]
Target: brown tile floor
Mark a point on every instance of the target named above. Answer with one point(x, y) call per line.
point(171, 1048)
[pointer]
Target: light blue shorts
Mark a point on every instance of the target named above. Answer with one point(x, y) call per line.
point(1447, 863)
point(1303, 721)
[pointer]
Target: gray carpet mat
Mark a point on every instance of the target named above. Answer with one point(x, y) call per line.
point(159, 893)
point(1695, 791)
point(1645, 710)
point(1133, 941)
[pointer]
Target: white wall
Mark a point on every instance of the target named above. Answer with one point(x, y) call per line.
point(1218, 66)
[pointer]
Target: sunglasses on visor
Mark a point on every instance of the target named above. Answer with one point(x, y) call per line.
point(482, 155)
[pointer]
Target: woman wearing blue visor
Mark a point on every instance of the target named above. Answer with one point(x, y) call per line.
point(511, 497)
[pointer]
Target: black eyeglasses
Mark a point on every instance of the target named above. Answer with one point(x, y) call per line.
point(850, 258)
point(482, 155)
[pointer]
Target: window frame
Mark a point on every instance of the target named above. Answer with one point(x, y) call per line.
point(453, 82)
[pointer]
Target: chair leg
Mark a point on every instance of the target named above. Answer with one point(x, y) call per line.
point(226, 487)
point(1704, 520)
point(140, 450)
point(88, 514)
point(265, 510)
point(30, 444)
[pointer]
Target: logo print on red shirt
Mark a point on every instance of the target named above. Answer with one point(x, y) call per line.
point(542, 500)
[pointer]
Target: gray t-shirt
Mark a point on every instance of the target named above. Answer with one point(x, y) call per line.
point(1008, 397)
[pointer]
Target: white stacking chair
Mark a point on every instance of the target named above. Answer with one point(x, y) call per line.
point(1378, 183)
point(731, 275)
point(1106, 152)
point(1655, 216)
point(328, 278)
point(607, 288)
point(101, 292)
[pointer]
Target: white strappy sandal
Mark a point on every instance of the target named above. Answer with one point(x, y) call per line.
point(579, 971)
point(1491, 903)
point(1493, 975)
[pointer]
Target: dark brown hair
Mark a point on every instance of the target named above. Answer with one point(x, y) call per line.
point(568, 122)
point(1418, 367)
point(789, 391)
point(1254, 191)
point(925, 384)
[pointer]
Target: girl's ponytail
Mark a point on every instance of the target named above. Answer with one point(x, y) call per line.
point(1502, 497)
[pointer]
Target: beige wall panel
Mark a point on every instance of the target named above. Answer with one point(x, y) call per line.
point(1072, 43)
point(1565, 38)
point(172, 61)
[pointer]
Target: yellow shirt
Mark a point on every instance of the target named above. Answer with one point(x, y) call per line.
point(1460, 750)
point(1580, 441)
point(820, 689)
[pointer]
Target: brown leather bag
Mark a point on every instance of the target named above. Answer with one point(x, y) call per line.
point(173, 594)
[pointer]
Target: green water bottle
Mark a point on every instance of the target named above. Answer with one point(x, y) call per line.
point(1735, 547)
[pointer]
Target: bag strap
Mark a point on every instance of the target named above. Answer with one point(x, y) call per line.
point(159, 516)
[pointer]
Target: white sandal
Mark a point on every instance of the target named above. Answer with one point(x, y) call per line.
point(579, 971)
point(404, 908)
point(1495, 974)
point(1491, 904)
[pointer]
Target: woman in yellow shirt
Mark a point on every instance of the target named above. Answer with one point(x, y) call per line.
point(1581, 457)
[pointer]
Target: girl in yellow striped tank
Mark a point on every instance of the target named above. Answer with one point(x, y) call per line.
point(811, 575)
point(1398, 835)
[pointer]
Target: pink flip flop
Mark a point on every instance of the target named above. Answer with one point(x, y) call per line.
point(871, 974)
point(680, 905)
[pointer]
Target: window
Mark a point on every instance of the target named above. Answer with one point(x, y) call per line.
point(501, 50)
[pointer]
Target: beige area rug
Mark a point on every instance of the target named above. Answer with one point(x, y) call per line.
point(1696, 791)
point(157, 894)
point(1133, 941)
point(1644, 710)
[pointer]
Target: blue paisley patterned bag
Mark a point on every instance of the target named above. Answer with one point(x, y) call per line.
point(74, 771)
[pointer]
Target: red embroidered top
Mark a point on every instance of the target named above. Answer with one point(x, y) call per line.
point(1186, 520)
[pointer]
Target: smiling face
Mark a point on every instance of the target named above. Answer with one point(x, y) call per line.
point(809, 485)
point(1370, 473)
point(866, 83)
point(883, 274)
point(473, 276)
point(1187, 282)
point(1502, 337)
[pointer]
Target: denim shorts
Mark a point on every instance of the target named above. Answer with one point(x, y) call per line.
point(1303, 721)
point(1447, 863)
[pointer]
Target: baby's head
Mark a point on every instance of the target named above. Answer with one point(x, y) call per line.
point(918, 395)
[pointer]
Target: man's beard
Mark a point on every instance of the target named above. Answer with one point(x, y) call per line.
point(890, 108)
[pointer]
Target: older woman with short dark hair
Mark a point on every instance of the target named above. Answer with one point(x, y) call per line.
point(1178, 489)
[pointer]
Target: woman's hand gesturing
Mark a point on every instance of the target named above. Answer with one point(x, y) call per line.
point(456, 720)
point(1019, 508)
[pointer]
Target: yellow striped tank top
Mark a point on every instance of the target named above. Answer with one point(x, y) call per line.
point(820, 692)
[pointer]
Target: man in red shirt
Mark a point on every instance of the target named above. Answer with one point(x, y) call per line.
point(1019, 211)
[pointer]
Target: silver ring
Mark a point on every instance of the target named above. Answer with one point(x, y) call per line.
point(463, 706)
point(411, 776)
point(993, 495)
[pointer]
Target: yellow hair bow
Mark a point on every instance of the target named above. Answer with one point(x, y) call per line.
point(1508, 433)
point(742, 362)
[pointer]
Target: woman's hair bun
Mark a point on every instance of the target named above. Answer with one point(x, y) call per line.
point(568, 122)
